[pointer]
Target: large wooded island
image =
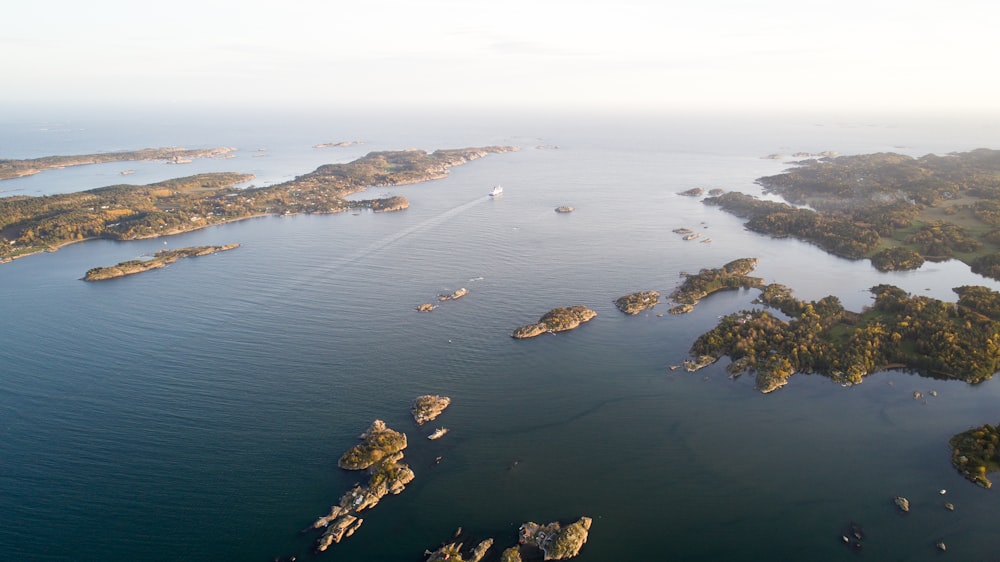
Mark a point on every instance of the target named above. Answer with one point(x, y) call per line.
point(30, 225)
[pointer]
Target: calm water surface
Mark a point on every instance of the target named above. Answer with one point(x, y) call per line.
point(197, 412)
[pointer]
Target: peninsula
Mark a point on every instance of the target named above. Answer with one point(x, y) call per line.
point(893, 209)
point(697, 286)
point(556, 320)
point(10, 169)
point(943, 340)
point(30, 225)
point(159, 260)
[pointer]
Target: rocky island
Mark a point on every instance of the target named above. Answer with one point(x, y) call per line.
point(452, 552)
point(556, 320)
point(934, 338)
point(637, 302)
point(731, 276)
point(380, 452)
point(896, 210)
point(565, 209)
point(10, 169)
point(556, 542)
point(159, 260)
point(428, 407)
point(976, 452)
point(30, 225)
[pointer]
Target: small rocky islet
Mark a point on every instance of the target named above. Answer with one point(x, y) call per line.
point(556, 320)
point(637, 302)
point(428, 407)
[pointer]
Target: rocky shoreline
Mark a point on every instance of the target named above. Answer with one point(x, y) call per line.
point(556, 320)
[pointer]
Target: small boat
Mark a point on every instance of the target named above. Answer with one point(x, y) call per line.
point(438, 433)
point(496, 192)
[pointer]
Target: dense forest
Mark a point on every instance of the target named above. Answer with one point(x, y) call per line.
point(126, 212)
point(946, 340)
point(892, 208)
point(976, 452)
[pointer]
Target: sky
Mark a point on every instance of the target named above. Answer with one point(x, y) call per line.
point(918, 55)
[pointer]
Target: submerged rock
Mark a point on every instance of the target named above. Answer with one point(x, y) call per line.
point(428, 407)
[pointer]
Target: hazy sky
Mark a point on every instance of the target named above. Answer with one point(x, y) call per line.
point(871, 54)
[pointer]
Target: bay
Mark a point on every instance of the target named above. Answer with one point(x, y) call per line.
point(197, 412)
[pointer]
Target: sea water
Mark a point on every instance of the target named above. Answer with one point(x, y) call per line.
point(198, 412)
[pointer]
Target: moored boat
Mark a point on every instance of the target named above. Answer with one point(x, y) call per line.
point(496, 192)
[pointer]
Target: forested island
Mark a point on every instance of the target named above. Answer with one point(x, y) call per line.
point(10, 169)
point(894, 209)
point(159, 260)
point(958, 340)
point(976, 452)
point(30, 225)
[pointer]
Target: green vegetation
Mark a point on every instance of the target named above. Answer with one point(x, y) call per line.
point(18, 168)
point(378, 443)
point(731, 276)
point(946, 340)
point(556, 320)
point(975, 452)
point(160, 259)
point(127, 212)
point(939, 207)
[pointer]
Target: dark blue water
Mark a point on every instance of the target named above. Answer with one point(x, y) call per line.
point(197, 412)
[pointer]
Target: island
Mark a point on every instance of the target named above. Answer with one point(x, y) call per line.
point(454, 296)
point(10, 169)
point(730, 276)
point(565, 209)
point(693, 192)
point(934, 338)
point(159, 260)
point(29, 225)
point(975, 452)
point(452, 552)
point(556, 320)
point(637, 302)
point(893, 209)
point(380, 452)
point(556, 542)
point(337, 144)
point(428, 407)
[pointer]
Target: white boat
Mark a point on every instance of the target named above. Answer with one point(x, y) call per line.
point(438, 433)
point(497, 191)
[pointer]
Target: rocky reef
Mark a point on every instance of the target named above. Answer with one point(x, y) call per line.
point(565, 209)
point(159, 260)
point(693, 192)
point(556, 320)
point(556, 542)
point(425, 307)
point(454, 296)
point(428, 407)
point(637, 302)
